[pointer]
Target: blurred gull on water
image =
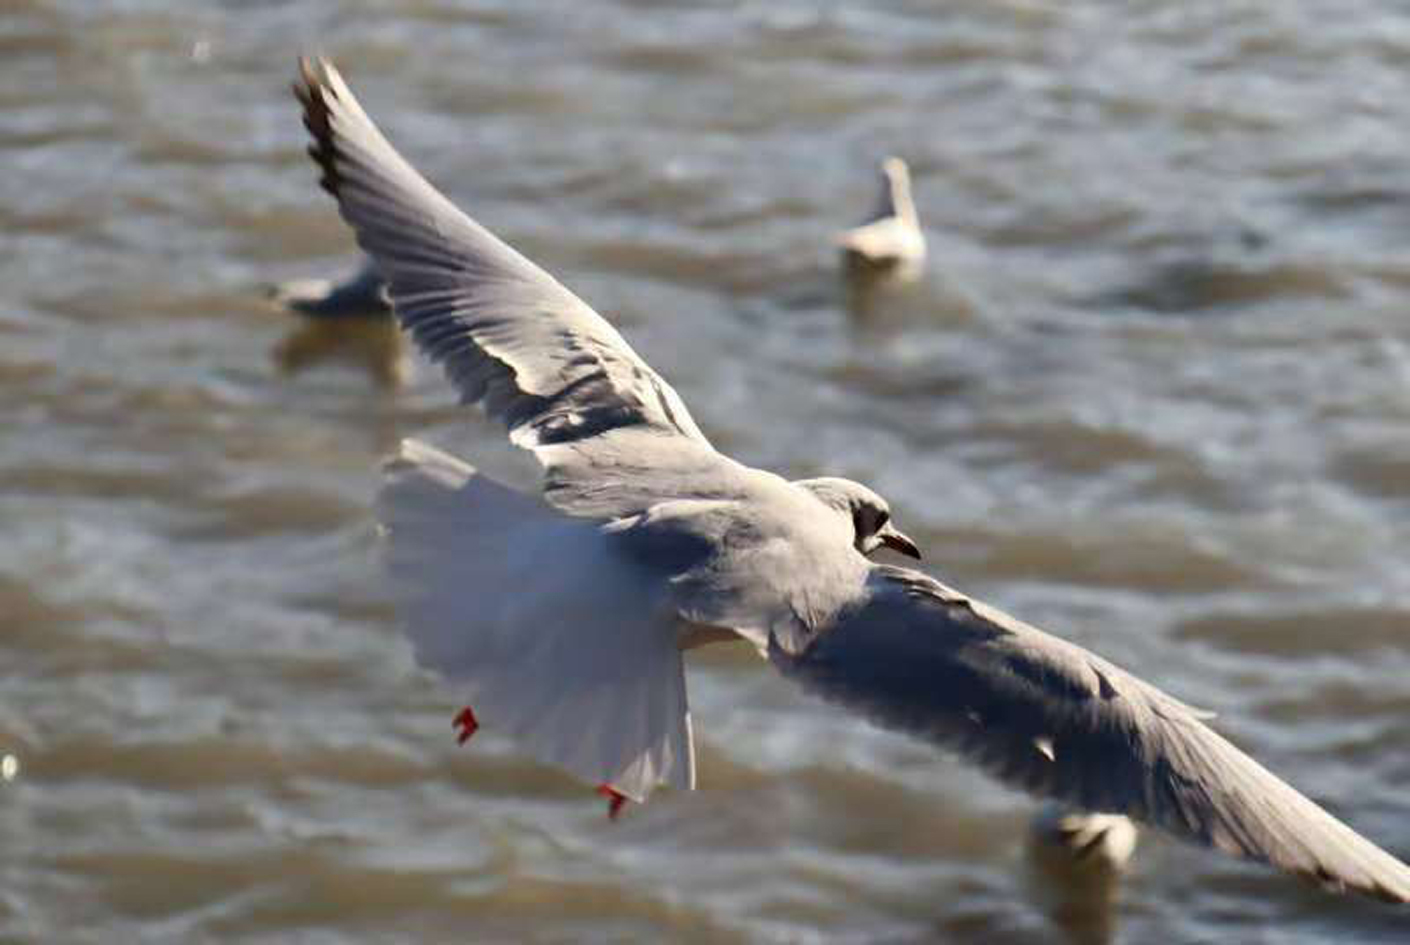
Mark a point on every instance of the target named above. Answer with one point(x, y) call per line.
point(348, 321)
point(890, 240)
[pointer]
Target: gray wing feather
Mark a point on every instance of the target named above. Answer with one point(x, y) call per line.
point(1049, 717)
point(507, 333)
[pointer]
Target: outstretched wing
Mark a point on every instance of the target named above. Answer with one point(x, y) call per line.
point(509, 336)
point(1054, 719)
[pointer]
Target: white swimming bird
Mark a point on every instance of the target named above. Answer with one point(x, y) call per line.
point(361, 295)
point(562, 618)
point(891, 238)
point(1069, 840)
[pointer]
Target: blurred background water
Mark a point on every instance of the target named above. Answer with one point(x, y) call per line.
point(1152, 395)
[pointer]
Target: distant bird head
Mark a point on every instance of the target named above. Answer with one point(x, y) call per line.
point(870, 514)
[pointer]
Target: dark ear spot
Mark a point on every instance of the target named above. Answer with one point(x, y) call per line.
point(859, 525)
point(868, 520)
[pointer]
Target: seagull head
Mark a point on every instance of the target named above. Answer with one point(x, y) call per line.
point(869, 513)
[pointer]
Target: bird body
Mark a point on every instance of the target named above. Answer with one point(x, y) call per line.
point(565, 661)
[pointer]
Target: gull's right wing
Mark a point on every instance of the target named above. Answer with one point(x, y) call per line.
point(510, 336)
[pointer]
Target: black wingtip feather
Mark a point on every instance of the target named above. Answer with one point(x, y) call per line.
point(312, 92)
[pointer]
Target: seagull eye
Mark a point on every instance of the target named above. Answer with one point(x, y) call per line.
point(882, 518)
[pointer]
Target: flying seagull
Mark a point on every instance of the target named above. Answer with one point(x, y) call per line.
point(890, 239)
point(563, 617)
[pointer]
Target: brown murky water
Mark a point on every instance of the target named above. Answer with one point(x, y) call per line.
point(1153, 395)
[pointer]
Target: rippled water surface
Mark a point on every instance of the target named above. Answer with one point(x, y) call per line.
point(1153, 395)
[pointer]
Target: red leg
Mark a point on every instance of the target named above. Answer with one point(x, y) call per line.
point(615, 800)
point(467, 723)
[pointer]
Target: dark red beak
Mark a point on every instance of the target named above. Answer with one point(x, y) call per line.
point(898, 542)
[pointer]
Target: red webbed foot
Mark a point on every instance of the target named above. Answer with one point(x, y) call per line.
point(467, 724)
point(615, 800)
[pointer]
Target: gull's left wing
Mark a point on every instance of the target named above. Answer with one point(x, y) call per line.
point(1051, 718)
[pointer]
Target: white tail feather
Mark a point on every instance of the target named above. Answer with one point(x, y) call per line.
point(552, 637)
